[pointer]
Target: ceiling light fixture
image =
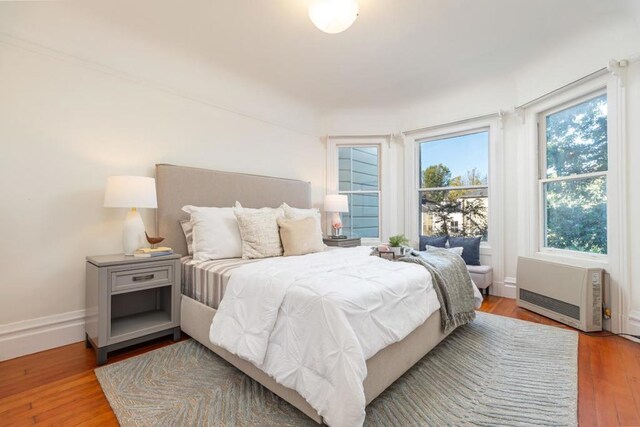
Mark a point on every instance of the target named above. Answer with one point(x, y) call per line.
point(333, 16)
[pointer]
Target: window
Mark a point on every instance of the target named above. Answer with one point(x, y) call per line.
point(454, 186)
point(359, 179)
point(573, 176)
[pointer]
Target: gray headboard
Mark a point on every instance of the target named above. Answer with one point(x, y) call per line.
point(179, 185)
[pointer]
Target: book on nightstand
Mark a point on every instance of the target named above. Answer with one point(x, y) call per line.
point(152, 252)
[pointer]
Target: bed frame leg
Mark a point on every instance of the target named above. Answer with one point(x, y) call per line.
point(177, 333)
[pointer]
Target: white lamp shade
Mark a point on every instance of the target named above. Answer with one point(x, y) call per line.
point(336, 203)
point(130, 192)
point(333, 16)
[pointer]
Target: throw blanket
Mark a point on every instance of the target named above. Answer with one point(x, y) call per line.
point(453, 285)
point(312, 321)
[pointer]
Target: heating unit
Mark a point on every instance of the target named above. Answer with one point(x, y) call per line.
point(566, 293)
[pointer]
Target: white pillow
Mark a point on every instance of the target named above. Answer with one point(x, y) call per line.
point(215, 233)
point(297, 213)
point(240, 209)
point(187, 229)
point(456, 250)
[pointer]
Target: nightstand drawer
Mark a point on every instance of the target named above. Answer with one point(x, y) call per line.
point(141, 278)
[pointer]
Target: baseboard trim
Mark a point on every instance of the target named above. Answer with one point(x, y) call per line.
point(633, 323)
point(508, 288)
point(34, 335)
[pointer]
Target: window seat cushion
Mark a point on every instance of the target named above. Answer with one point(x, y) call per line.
point(482, 275)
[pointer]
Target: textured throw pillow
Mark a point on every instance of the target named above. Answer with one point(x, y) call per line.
point(297, 213)
point(215, 233)
point(187, 229)
point(470, 248)
point(259, 232)
point(300, 236)
point(437, 241)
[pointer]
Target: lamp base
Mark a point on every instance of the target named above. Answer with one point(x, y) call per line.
point(336, 224)
point(133, 232)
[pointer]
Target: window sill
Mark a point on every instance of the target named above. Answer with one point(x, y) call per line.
point(566, 256)
point(370, 241)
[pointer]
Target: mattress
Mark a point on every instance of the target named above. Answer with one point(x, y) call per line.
point(206, 281)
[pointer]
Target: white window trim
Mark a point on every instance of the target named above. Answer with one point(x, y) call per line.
point(493, 248)
point(529, 201)
point(540, 128)
point(383, 144)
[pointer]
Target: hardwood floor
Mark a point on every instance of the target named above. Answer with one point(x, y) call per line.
point(58, 387)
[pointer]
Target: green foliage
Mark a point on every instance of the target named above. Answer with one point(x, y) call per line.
point(577, 139)
point(398, 240)
point(436, 176)
point(577, 215)
point(443, 205)
point(576, 210)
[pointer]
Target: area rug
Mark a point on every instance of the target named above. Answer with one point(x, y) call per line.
point(494, 371)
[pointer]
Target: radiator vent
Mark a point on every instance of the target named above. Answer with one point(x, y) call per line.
point(552, 304)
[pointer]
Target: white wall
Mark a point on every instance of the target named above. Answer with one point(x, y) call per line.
point(633, 197)
point(65, 126)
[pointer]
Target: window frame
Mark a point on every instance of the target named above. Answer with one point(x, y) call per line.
point(538, 115)
point(385, 180)
point(541, 133)
point(490, 250)
point(469, 131)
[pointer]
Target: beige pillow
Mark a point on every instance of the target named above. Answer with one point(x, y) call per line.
point(297, 213)
point(259, 233)
point(300, 236)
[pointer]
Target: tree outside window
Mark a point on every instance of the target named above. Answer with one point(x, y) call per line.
point(573, 176)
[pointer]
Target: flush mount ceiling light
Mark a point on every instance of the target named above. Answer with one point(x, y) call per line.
point(333, 16)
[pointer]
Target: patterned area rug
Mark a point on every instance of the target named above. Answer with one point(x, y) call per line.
point(495, 371)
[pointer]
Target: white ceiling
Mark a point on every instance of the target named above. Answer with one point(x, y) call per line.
point(396, 51)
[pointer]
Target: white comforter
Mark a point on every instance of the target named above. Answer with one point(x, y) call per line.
point(311, 322)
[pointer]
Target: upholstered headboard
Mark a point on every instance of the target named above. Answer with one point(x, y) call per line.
point(178, 186)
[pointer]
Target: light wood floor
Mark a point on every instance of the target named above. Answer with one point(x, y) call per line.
point(59, 387)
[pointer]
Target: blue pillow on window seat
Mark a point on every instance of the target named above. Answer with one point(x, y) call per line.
point(470, 248)
point(437, 241)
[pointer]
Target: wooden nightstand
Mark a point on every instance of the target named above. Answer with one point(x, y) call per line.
point(130, 300)
point(349, 242)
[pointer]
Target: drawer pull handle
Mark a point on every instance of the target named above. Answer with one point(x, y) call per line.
point(141, 278)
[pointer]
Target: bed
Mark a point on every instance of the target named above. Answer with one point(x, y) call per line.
point(178, 186)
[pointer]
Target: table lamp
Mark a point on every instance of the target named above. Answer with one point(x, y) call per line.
point(132, 192)
point(336, 203)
